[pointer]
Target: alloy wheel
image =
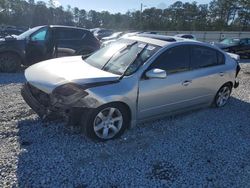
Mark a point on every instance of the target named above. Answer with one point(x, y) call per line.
point(223, 96)
point(108, 122)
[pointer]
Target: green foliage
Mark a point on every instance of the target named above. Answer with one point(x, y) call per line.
point(217, 15)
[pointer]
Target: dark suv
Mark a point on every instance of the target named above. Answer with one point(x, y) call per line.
point(45, 42)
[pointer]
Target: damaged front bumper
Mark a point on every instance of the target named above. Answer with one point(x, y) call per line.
point(40, 102)
point(52, 107)
point(34, 104)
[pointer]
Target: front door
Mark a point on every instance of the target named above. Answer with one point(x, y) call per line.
point(157, 96)
point(39, 46)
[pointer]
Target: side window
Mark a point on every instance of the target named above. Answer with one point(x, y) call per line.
point(40, 35)
point(70, 34)
point(203, 57)
point(173, 60)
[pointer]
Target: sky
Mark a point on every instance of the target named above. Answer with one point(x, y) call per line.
point(121, 6)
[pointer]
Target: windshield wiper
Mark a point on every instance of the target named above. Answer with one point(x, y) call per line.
point(120, 51)
point(137, 55)
point(86, 56)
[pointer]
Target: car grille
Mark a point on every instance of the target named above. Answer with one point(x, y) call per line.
point(42, 97)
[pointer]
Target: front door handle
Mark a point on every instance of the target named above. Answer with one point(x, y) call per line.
point(186, 83)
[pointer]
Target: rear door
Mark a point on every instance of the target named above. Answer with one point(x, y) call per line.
point(207, 67)
point(68, 41)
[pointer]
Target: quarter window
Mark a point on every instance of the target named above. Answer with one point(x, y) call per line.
point(173, 60)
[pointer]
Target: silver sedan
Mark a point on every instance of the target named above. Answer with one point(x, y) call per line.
point(134, 79)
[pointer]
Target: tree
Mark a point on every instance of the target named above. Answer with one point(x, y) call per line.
point(217, 15)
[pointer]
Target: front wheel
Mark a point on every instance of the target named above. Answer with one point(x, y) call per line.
point(9, 62)
point(223, 95)
point(106, 122)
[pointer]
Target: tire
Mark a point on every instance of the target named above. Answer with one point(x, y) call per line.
point(9, 62)
point(98, 125)
point(222, 96)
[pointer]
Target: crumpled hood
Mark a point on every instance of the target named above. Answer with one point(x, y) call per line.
point(48, 75)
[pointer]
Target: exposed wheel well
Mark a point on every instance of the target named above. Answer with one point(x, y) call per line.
point(125, 106)
point(228, 83)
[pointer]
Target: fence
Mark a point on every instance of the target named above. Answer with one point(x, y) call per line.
point(209, 36)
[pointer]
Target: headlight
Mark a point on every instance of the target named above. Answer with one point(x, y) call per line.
point(67, 90)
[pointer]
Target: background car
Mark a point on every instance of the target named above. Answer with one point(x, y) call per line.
point(10, 32)
point(186, 36)
point(134, 79)
point(107, 40)
point(101, 33)
point(45, 42)
point(236, 45)
point(114, 36)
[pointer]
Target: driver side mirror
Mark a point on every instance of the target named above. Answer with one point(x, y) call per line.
point(156, 73)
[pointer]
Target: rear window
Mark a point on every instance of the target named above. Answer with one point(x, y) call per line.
point(70, 34)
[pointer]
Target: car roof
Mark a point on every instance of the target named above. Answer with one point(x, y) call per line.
point(184, 35)
point(159, 40)
point(70, 27)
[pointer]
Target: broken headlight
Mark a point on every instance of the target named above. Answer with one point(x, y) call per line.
point(67, 90)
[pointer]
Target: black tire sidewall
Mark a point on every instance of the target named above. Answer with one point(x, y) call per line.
point(89, 117)
point(10, 68)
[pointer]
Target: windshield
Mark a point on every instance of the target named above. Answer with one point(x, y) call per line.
point(230, 41)
point(122, 57)
point(28, 33)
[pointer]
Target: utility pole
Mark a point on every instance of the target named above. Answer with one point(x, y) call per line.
point(141, 13)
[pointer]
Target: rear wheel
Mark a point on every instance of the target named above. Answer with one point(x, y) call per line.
point(106, 122)
point(223, 95)
point(9, 62)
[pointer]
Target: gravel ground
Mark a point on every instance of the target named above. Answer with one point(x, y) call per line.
point(205, 148)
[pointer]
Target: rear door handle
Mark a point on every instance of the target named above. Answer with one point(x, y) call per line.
point(221, 73)
point(186, 83)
